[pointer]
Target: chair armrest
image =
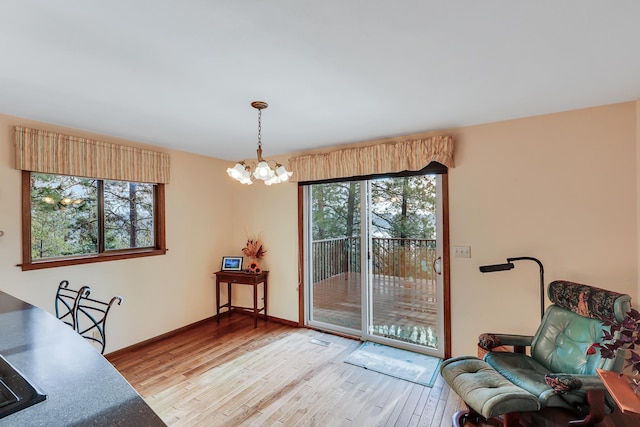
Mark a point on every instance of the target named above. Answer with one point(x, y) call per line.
point(490, 341)
point(595, 388)
point(562, 383)
point(590, 382)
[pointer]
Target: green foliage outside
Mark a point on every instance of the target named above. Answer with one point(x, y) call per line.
point(128, 211)
point(401, 208)
point(64, 215)
point(336, 210)
point(404, 207)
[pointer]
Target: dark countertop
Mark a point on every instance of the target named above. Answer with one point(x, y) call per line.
point(82, 387)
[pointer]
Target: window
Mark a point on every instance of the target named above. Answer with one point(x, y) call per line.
point(74, 220)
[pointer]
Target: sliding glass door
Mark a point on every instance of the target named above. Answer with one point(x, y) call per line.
point(374, 255)
point(334, 265)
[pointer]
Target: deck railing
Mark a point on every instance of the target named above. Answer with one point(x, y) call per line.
point(393, 257)
point(335, 256)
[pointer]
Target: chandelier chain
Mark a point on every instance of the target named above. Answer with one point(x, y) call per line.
point(260, 128)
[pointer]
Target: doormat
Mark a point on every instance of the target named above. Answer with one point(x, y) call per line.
point(406, 365)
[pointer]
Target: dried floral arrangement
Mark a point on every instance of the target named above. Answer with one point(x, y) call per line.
point(254, 248)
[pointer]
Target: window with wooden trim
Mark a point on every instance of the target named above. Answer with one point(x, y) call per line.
point(75, 220)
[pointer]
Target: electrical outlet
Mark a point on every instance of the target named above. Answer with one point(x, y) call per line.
point(96, 334)
point(462, 251)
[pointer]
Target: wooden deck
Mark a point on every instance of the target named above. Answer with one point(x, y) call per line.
point(403, 308)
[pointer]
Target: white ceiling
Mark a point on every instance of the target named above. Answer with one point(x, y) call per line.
point(182, 74)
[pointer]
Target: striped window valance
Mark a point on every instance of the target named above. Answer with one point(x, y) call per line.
point(382, 158)
point(50, 152)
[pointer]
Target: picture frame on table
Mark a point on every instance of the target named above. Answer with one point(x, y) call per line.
point(232, 263)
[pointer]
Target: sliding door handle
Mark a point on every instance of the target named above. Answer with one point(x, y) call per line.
point(437, 265)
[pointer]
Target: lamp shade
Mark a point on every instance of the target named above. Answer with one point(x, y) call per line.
point(282, 173)
point(245, 177)
point(236, 172)
point(273, 180)
point(496, 267)
point(263, 171)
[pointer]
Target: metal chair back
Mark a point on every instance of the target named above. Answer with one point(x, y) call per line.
point(91, 319)
point(67, 302)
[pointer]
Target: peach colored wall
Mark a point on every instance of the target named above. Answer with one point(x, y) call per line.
point(559, 187)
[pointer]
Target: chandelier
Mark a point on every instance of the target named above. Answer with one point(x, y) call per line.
point(248, 171)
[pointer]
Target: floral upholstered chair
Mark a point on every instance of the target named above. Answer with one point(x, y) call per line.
point(560, 369)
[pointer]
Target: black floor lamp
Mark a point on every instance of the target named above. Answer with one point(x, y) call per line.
point(509, 266)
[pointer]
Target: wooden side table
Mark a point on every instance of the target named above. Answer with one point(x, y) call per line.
point(621, 391)
point(242, 278)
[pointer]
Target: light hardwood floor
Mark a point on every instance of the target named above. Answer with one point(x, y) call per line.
point(276, 375)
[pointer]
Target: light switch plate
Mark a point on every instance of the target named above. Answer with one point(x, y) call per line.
point(462, 251)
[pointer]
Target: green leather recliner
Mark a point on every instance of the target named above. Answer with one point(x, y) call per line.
point(558, 370)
